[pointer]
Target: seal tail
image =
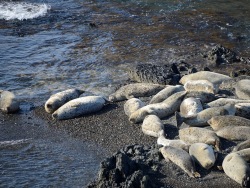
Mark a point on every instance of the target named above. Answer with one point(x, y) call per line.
point(179, 119)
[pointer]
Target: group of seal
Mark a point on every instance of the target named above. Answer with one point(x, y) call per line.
point(206, 120)
point(206, 117)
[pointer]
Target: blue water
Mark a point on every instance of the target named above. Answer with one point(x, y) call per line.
point(90, 45)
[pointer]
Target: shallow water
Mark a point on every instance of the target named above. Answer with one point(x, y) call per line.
point(59, 49)
point(48, 46)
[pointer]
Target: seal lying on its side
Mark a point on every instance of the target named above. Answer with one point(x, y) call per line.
point(200, 86)
point(234, 133)
point(165, 93)
point(79, 106)
point(135, 90)
point(181, 158)
point(242, 145)
point(57, 100)
point(193, 135)
point(162, 140)
point(224, 101)
point(242, 89)
point(152, 125)
point(131, 105)
point(202, 117)
point(219, 122)
point(204, 97)
point(245, 154)
point(212, 77)
point(190, 106)
point(163, 109)
point(243, 110)
point(203, 154)
point(8, 102)
point(237, 169)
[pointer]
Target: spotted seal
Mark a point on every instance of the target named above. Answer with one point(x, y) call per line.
point(242, 89)
point(212, 77)
point(242, 145)
point(201, 118)
point(200, 86)
point(204, 97)
point(234, 133)
point(9, 102)
point(152, 125)
point(181, 158)
point(190, 106)
point(237, 169)
point(135, 90)
point(79, 106)
point(243, 110)
point(165, 93)
point(163, 109)
point(131, 105)
point(57, 100)
point(203, 154)
point(218, 122)
point(224, 101)
point(193, 135)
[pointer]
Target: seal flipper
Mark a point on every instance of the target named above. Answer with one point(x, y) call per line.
point(179, 119)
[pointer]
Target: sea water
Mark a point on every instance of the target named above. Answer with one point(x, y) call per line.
point(48, 46)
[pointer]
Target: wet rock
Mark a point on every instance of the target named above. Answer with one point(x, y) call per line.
point(161, 74)
point(242, 72)
point(221, 55)
point(166, 74)
point(129, 167)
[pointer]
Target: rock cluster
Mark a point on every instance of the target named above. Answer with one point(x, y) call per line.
point(129, 167)
point(166, 74)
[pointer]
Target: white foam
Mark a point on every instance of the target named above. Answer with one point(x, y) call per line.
point(22, 10)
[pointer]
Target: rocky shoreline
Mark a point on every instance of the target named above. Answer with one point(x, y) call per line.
point(139, 163)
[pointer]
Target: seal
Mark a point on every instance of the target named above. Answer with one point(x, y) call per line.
point(8, 102)
point(224, 101)
point(237, 169)
point(243, 110)
point(78, 107)
point(202, 96)
point(202, 154)
point(201, 118)
point(162, 140)
point(152, 125)
point(234, 133)
point(244, 153)
point(242, 89)
point(242, 145)
point(131, 105)
point(230, 84)
point(57, 100)
point(135, 90)
point(165, 93)
point(200, 86)
point(163, 109)
point(193, 135)
point(218, 122)
point(212, 77)
point(181, 158)
point(190, 106)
